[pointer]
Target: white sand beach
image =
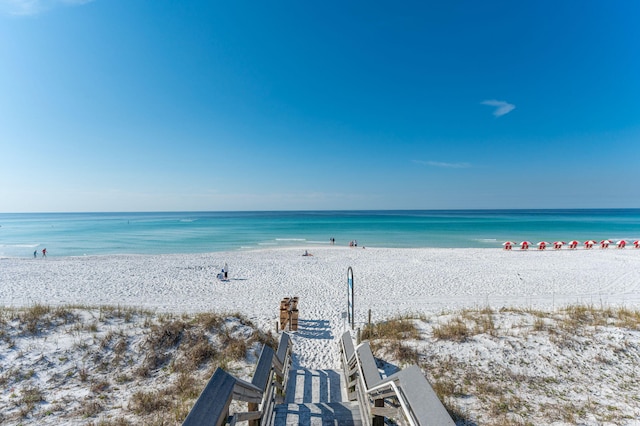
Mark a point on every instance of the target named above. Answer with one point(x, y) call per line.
point(527, 369)
point(387, 281)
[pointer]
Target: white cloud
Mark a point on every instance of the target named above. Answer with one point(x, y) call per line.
point(502, 107)
point(444, 165)
point(33, 7)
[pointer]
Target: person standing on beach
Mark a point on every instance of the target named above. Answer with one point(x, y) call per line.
point(35, 253)
point(44, 252)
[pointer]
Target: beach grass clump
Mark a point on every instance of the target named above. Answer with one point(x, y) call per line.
point(484, 323)
point(125, 313)
point(185, 386)
point(90, 407)
point(65, 315)
point(118, 421)
point(464, 325)
point(455, 329)
point(389, 338)
point(146, 403)
point(398, 328)
point(36, 319)
point(30, 396)
point(165, 335)
point(627, 318)
point(209, 320)
point(196, 349)
point(581, 316)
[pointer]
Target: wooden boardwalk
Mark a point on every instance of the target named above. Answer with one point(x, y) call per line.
point(317, 398)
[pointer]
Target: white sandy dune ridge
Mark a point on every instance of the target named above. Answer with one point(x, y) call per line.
point(387, 281)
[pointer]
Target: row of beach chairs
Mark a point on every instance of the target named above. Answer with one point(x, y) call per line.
point(572, 245)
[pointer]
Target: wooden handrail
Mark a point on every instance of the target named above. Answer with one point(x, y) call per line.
point(262, 375)
point(212, 406)
point(418, 403)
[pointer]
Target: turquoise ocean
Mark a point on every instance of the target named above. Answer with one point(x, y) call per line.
point(78, 234)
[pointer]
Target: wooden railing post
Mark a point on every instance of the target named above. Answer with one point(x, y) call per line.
point(252, 406)
point(378, 420)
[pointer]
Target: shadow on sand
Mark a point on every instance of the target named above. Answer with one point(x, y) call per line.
point(313, 386)
point(314, 329)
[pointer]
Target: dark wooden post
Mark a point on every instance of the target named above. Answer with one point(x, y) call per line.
point(378, 420)
point(253, 406)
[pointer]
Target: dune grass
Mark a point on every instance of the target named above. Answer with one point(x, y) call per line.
point(514, 366)
point(127, 366)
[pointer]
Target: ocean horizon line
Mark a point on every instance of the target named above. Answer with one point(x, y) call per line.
point(561, 209)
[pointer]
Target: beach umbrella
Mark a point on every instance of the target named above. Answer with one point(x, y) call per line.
point(525, 245)
point(636, 243)
point(508, 244)
point(558, 244)
point(621, 243)
point(573, 244)
point(588, 244)
point(542, 245)
point(605, 243)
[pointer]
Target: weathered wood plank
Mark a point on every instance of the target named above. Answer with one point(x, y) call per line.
point(248, 415)
point(368, 364)
point(245, 391)
point(386, 412)
point(212, 405)
point(424, 402)
point(262, 374)
point(283, 347)
point(347, 345)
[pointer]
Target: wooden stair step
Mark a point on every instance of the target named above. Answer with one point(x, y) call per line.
point(318, 414)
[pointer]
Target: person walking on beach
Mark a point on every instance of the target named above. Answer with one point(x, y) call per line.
point(35, 253)
point(44, 252)
point(223, 275)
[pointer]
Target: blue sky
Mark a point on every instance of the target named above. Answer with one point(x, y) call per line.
point(137, 105)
